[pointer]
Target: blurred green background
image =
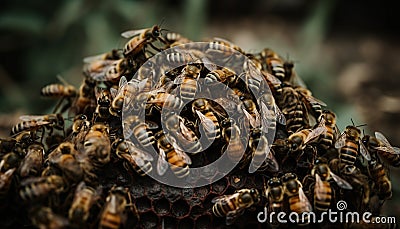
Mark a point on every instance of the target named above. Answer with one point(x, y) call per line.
point(347, 52)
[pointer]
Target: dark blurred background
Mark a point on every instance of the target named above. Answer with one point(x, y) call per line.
point(347, 52)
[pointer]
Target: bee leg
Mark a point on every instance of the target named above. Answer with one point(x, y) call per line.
point(155, 48)
point(66, 106)
point(58, 105)
point(132, 206)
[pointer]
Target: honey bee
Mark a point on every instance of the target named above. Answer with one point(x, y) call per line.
point(104, 99)
point(250, 110)
point(298, 141)
point(63, 158)
point(221, 46)
point(185, 136)
point(84, 198)
point(165, 100)
point(270, 112)
point(134, 157)
point(80, 123)
point(5, 179)
point(382, 184)
point(328, 118)
point(275, 194)
point(38, 188)
point(124, 95)
point(224, 75)
point(63, 91)
point(357, 179)
point(180, 58)
point(97, 145)
point(85, 102)
point(112, 70)
point(44, 217)
point(188, 82)
point(274, 64)
point(263, 157)
point(140, 39)
point(314, 105)
point(298, 201)
point(234, 146)
point(170, 153)
point(35, 122)
point(294, 109)
point(174, 39)
point(350, 145)
point(32, 164)
point(9, 161)
point(386, 151)
point(114, 215)
point(323, 192)
point(275, 84)
point(232, 206)
point(208, 119)
point(140, 130)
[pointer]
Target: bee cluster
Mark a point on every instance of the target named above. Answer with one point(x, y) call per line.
point(93, 170)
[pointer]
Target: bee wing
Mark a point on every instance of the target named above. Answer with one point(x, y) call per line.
point(265, 113)
point(207, 123)
point(122, 83)
point(184, 156)
point(341, 141)
point(132, 33)
point(219, 199)
point(303, 199)
point(341, 182)
point(280, 117)
point(186, 132)
point(211, 66)
point(252, 71)
point(113, 92)
point(312, 99)
point(271, 78)
point(254, 122)
point(90, 59)
point(387, 147)
point(139, 85)
point(138, 153)
point(315, 133)
point(319, 185)
point(162, 163)
point(382, 138)
point(32, 117)
point(233, 215)
point(179, 79)
point(272, 163)
point(255, 164)
point(364, 151)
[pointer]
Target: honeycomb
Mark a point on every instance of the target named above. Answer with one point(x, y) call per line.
point(35, 200)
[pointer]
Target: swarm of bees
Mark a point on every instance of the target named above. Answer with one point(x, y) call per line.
point(87, 163)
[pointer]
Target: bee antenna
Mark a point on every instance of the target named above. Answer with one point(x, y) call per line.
point(62, 80)
point(352, 121)
point(162, 22)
